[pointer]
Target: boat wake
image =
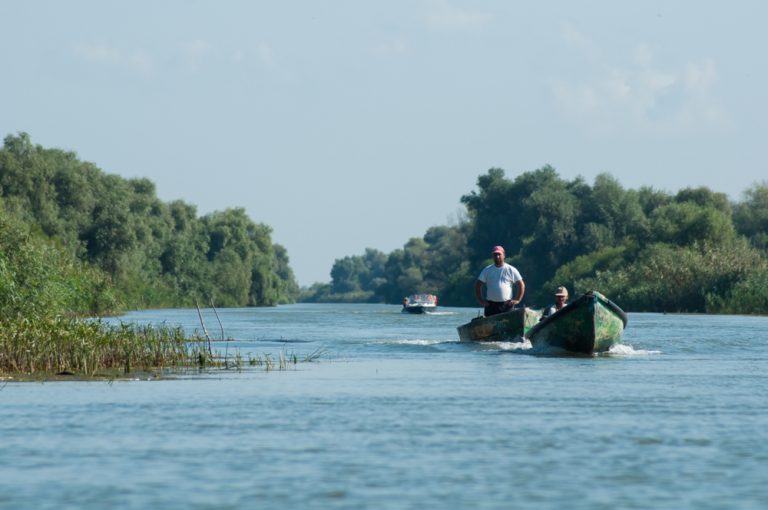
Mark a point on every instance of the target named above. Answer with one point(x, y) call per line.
point(524, 346)
point(616, 351)
point(512, 345)
point(520, 346)
point(627, 350)
point(416, 342)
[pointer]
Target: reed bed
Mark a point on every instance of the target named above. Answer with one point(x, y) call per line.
point(60, 345)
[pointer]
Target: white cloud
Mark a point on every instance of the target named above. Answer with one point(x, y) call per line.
point(700, 79)
point(574, 37)
point(638, 93)
point(443, 16)
point(106, 55)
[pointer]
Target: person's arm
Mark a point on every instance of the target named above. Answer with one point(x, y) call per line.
point(520, 291)
point(479, 293)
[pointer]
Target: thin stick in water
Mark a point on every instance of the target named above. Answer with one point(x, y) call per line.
point(199, 314)
point(226, 345)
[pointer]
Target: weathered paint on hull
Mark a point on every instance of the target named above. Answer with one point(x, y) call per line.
point(589, 324)
point(504, 326)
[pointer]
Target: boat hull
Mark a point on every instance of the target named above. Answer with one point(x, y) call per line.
point(504, 326)
point(592, 323)
point(419, 308)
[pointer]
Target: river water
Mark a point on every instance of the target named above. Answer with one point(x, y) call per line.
point(395, 413)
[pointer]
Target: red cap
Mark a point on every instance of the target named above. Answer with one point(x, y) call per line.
point(498, 249)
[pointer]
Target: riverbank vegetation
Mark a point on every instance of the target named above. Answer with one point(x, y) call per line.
point(77, 242)
point(148, 253)
point(649, 250)
point(58, 346)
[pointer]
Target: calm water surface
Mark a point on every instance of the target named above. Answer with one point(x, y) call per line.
point(396, 414)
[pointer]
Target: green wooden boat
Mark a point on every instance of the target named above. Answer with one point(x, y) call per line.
point(591, 323)
point(504, 326)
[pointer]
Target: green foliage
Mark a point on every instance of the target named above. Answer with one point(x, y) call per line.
point(510, 213)
point(457, 289)
point(648, 250)
point(748, 296)
point(609, 259)
point(421, 266)
point(751, 216)
point(685, 223)
point(39, 278)
point(75, 240)
point(666, 278)
point(706, 198)
point(289, 289)
point(242, 261)
point(347, 274)
point(149, 253)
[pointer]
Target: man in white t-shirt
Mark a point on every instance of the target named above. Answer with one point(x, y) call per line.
point(498, 279)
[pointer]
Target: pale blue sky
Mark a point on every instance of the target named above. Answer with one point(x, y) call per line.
point(351, 124)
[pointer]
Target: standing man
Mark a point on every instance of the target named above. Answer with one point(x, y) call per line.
point(498, 279)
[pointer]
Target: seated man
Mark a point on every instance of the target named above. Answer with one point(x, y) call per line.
point(561, 299)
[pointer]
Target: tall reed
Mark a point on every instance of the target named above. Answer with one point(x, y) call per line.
point(54, 345)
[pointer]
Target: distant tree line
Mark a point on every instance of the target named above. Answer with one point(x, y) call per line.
point(648, 250)
point(75, 239)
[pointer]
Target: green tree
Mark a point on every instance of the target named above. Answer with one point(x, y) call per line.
point(687, 222)
point(611, 214)
point(237, 247)
point(345, 274)
point(706, 198)
point(156, 254)
point(289, 289)
point(751, 215)
point(39, 278)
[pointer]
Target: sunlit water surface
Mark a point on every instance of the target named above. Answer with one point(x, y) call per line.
point(397, 414)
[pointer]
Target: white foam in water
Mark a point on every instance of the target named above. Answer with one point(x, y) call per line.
point(615, 350)
point(522, 345)
point(414, 342)
point(628, 350)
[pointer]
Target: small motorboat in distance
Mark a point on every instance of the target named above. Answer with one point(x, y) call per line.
point(589, 324)
point(419, 303)
point(500, 327)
